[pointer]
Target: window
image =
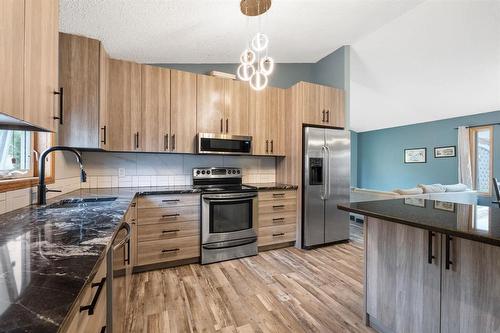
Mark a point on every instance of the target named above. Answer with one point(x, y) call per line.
point(482, 158)
point(16, 154)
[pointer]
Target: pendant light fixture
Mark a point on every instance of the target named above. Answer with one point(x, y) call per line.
point(255, 64)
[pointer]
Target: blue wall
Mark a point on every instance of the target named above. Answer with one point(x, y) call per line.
point(380, 153)
point(330, 70)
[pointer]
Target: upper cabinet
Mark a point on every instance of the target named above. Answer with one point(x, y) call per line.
point(40, 70)
point(12, 57)
point(28, 61)
point(321, 105)
point(222, 105)
point(267, 121)
point(123, 105)
point(155, 108)
point(182, 112)
point(81, 82)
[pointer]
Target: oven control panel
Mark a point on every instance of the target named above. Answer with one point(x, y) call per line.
point(220, 172)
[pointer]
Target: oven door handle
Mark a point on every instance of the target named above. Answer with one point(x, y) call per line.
point(225, 200)
point(228, 198)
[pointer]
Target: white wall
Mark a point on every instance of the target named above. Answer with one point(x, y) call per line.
point(438, 60)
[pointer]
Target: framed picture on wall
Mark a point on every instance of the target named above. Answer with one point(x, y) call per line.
point(416, 155)
point(443, 152)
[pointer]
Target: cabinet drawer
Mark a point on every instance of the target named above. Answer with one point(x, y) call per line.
point(278, 206)
point(276, 195)
point(170, 200)
point(168, 215)
point(81, 321)
point(168, 250)
point(168, 230)
point(276, 234)
point(279, 218)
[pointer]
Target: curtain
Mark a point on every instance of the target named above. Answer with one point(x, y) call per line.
point(464, 162)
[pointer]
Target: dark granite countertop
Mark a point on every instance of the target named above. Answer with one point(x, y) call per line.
point(272, 186)
point(48, 254)
point(474, 222)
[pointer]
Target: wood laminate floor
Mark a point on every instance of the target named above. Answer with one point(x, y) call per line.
point(285, 290)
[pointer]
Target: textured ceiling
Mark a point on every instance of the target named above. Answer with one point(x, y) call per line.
point(214, 31)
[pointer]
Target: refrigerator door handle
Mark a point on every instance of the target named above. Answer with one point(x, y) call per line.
point(328, 173)
point(324, 193)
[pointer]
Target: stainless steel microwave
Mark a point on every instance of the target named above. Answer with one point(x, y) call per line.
point(211, 143)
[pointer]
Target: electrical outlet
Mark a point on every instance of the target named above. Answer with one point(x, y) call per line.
point(121, 172)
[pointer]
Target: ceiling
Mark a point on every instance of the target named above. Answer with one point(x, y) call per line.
point(215, 31)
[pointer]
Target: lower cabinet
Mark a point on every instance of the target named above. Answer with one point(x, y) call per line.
point(168, 229)
point(420, 281)
point(89, 311)
point(277, 218)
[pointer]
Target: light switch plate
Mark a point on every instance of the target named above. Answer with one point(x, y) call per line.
point(121, 172)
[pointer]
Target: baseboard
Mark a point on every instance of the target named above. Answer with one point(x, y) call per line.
point(167, 264)
point(276, 246)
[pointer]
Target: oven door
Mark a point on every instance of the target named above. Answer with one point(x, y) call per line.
point(229, 216)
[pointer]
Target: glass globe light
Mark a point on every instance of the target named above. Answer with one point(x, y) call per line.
point(258, 81)
point(260, 42)
point(245, 72)
point(266, 65)
point(247, 57)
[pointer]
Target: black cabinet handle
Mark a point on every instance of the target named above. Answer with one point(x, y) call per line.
point(327, 116)
point(448, 261)
point(166, 216)
point(61, 104)
point(227, 125)
point(169, 250)
point(169, 231)
point(170, 200)
point(126, 254)
point(278, 194)
point(272, 146)
point(267, 146)
point(279, 234)
point(103, 329)
point(430, 256)
point(165, 142)
point(221, 125)
point(104, 129)
point(279, 219)
point(323, 116)
point(137, 142)
point(173, 142)
point(90, 308)
point(278, 206)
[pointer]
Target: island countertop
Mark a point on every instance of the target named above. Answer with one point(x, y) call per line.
point(474, 222)
point(49, 254)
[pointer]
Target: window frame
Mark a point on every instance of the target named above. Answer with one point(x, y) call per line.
point(472, 140)
point(41, 141)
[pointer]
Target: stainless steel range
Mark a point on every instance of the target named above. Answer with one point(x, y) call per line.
point(228, 214)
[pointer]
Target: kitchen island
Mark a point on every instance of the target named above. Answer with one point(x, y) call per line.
point(430, 266)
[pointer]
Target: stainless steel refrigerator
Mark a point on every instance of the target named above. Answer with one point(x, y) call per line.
point(326, 182)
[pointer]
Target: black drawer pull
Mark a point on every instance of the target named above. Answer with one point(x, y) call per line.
point(61, 105)
point(448, 262)
point(166, 216)
point(279, 234)
point(169, 250)
point(278, 195)
point(104, 129)
point(91, 306)
point(430, 256)
point(278, 206)
point(170, 200)
point(279, 219)
point(103, 329)
point(169, 231)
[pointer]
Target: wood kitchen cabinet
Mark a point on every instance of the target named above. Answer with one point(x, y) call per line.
point(402, 290)
point(41, 65)
point(470, 288)
point(12, 57)
point(155, 108)
point(321, 105)
point(123, 105)
point(267, 121)
point(222, 105)
point(182, 112)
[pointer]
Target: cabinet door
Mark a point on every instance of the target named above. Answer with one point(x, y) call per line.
point(258, 119)
point(275, 106)
point(79, 78)
point(312, 106)
point(332, 100)
point(210, 104)
point(40, 70)
point(123, 105)
point(11, 57)
point(236, 107)
point(103, 98)
point(402, 288)
point(470, 289)
point(183, 112)
point(155, 108)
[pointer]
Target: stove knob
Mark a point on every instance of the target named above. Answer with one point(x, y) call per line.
point(228, 171)
point(208, 172)
point(197, 172)
point(238, 172)
point(203, 172)
point(234, 172)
